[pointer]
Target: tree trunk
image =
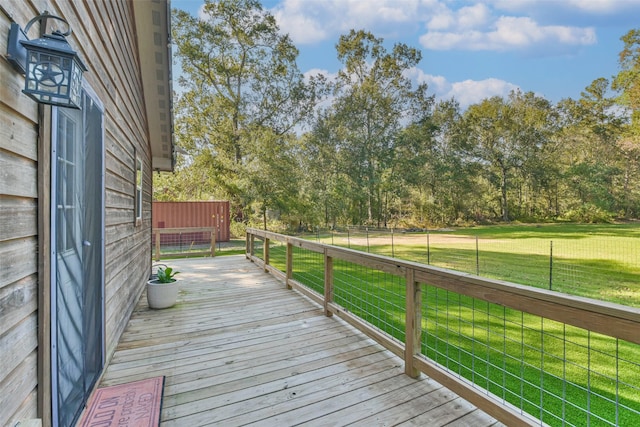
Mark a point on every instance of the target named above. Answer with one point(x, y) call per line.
point(264, 219)
point(505, 206)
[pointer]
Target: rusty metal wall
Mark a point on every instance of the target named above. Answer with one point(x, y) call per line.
point(193, 214)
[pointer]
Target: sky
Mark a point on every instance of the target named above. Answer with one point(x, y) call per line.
point(471, 50)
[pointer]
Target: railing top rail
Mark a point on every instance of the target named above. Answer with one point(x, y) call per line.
point(182, 230)
point(612, 319)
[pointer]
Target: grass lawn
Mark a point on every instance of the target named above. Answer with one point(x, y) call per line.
point(596, 261)
point(561, 374)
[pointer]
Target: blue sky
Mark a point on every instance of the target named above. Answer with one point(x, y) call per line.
point(471, 50)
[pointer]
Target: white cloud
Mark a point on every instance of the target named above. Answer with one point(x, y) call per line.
point(436, 84)
point(580, 6)
point(311, 21)
point(473, 16)
point(470, 92)
point(509, 33)
point(302, 29)
point(465, 18)
point(317, 71)
point(466, 92)
point(475, 27)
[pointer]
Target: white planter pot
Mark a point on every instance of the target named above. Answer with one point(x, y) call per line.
point(162, 295)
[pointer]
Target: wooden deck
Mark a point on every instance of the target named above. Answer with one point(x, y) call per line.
point(240, 349)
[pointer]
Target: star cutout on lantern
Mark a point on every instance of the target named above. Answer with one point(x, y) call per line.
point(48, 74)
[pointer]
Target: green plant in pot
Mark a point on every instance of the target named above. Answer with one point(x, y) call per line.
point(162, 288)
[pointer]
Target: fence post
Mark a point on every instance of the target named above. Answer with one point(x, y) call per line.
point(477, 258)
point(213, 242)
point(289, 273)
point(393, 251)
point(348, 238)
point(428, 249)
point(157, 233)
point(328, 283)
point(367, 228)
point(551, 266)
point(413, 323)
point(265, 253)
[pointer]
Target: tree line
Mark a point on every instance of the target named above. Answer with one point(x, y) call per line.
point(371, 147)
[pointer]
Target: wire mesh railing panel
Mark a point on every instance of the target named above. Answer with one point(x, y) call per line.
point(233, 246)
point(563, 375)
point(278, 255)
point(308, 269)
point(374, 296)
point(258, 247)
point(585, 265)
point(183, 243)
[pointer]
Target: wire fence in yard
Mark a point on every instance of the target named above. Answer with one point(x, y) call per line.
point(604, 269)
point(191, 241)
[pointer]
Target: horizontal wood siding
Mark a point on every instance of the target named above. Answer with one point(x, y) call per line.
point(105, 37)
point(18, 234)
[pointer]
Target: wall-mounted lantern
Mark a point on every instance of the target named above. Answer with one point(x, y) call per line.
point(53, 71)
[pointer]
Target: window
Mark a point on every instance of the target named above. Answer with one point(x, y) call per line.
point(68, 155)
point(138, 195)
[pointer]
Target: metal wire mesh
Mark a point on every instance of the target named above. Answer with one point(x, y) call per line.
point(278, 255)
point(308, 269)
point(564, 375)
point(603, 269)
point(258, 247)
point(184, 242)
point(372, 295)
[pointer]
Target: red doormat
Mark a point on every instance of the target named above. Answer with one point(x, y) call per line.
point(135, 404)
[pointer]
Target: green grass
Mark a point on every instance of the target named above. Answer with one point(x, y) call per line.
point(595, 261)
point(561, 374)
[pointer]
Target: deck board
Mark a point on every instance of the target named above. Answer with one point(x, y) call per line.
point(241, 349)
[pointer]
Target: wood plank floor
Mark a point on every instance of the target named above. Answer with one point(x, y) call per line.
point(240, 349)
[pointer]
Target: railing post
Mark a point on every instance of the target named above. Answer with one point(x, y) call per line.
point(413, 323)
point(250, 245)
point(157, 233)
point(213, 241)
point(265, 252)
point(328, 283)
point(289, 272)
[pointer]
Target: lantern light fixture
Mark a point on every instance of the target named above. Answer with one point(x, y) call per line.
point(53, 71)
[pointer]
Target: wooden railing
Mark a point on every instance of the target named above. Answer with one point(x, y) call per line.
point(557, 313)
point(178, 246)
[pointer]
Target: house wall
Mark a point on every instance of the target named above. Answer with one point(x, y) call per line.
point(104, 35)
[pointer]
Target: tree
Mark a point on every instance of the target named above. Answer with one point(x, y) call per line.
point(591, 129)
point(627, 81)
point(373, 100)
point(240, 81)
point(507, 136)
